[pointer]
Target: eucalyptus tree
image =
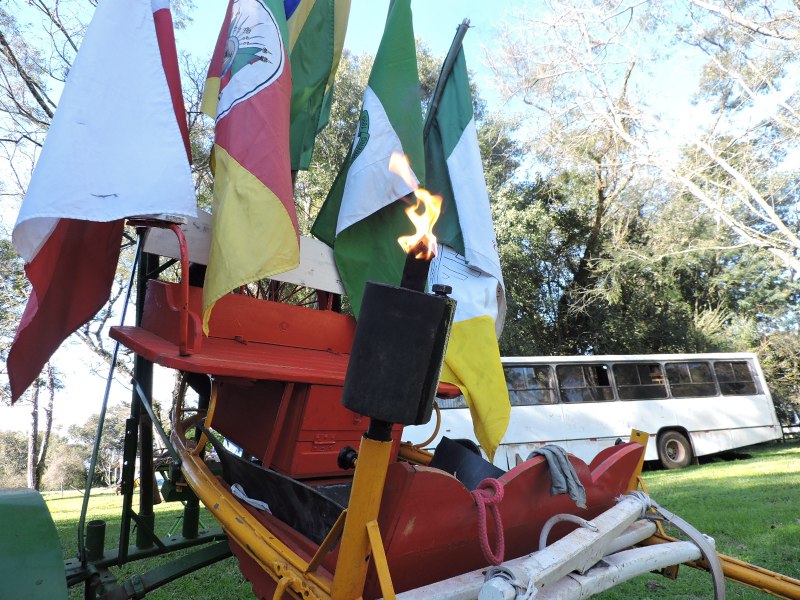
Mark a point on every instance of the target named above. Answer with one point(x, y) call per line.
point(699, 94)
point(687, 112)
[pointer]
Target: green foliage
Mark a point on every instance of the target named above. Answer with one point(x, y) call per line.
point(66, 465)
point(13, 459)
point(13, 294)
point(111, 444)
point(780, 361)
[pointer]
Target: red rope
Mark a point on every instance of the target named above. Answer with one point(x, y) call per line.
point(490, 492)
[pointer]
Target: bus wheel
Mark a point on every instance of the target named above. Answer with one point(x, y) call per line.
point(674, 450)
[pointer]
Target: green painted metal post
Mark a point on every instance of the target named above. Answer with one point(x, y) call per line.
point(191, 517)
point(95, 540)
point(143, 373)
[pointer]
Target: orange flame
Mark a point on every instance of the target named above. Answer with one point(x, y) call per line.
point(423, 222)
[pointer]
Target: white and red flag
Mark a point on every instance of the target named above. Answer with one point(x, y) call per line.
point(117, 147)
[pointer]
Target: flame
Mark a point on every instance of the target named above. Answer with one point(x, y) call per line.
point(423, 222)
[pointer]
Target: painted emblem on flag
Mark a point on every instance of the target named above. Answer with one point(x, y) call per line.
point(362, 137)
point(254, 54)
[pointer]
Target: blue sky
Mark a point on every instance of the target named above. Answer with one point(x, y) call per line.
point(435, 22)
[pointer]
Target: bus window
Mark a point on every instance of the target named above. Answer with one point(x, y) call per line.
point(457, 402)
point(584, 383)
point(529, 385)
point(640, 381)
point(735, 378)
point(690, 379)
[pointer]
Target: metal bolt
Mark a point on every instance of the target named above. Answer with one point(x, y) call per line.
point(441, 289)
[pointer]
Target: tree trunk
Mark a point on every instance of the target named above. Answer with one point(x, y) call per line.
point(570, 323)
point(48, 425)
point(33, 441)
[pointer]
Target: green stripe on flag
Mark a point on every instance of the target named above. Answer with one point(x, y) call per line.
point(394, 67)
point(311, 60)
point(447, 229)
point(314, 59)
point(371, 257)
point(324, 227)
point(445, 133)
point(365, 247)
point(457, 97)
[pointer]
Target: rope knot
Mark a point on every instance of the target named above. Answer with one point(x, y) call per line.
point(490, 493)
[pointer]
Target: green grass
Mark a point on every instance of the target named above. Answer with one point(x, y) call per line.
point(222, 580)
point(750, 506)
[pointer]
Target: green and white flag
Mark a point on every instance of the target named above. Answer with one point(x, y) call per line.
point(467, 258)
point(363, 215)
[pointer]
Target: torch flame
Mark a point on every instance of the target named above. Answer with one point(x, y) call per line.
point(423, 242)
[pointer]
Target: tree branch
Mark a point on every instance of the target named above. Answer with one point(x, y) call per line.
point(30, 83)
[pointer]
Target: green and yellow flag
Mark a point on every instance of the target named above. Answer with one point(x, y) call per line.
point(316, 37)
point(467, 259)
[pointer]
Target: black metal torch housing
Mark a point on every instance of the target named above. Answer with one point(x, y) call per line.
point(397, 353)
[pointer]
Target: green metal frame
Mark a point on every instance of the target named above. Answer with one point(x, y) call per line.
point(91, 567)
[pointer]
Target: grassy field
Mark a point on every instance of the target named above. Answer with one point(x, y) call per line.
point(220, 581)
point(749, 503)
point(750, 506)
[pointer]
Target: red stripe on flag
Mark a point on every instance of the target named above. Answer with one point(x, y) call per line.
point(165, 33)
point(71, 276)
point(264, 150)
point(218, 58)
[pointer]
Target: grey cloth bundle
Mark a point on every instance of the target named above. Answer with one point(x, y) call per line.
point(562, 474)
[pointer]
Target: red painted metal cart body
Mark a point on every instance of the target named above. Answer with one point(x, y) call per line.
point(281, 370)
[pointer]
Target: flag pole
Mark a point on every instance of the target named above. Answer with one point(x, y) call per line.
point(447, 66)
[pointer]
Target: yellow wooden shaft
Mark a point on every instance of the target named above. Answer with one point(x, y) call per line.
point(781, 586)
point(379, 558)
point(642, 438)
point(272, 555)
point(365, 502)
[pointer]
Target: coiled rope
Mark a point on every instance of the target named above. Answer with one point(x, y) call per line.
point(490, 493)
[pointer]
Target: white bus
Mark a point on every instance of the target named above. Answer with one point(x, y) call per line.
point(691, 405)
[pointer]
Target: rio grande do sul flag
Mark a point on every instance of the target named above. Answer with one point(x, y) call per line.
point(316, 38)
point(364, 213)
point(254, 224)
point(467, 259)
point(117, 147)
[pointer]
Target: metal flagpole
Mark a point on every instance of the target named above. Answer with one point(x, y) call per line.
point(447, 66)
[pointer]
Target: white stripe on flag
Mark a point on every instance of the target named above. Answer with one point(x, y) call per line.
point(474, 290)
point(469, 189)
point(114, 148)
point(370, 185)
